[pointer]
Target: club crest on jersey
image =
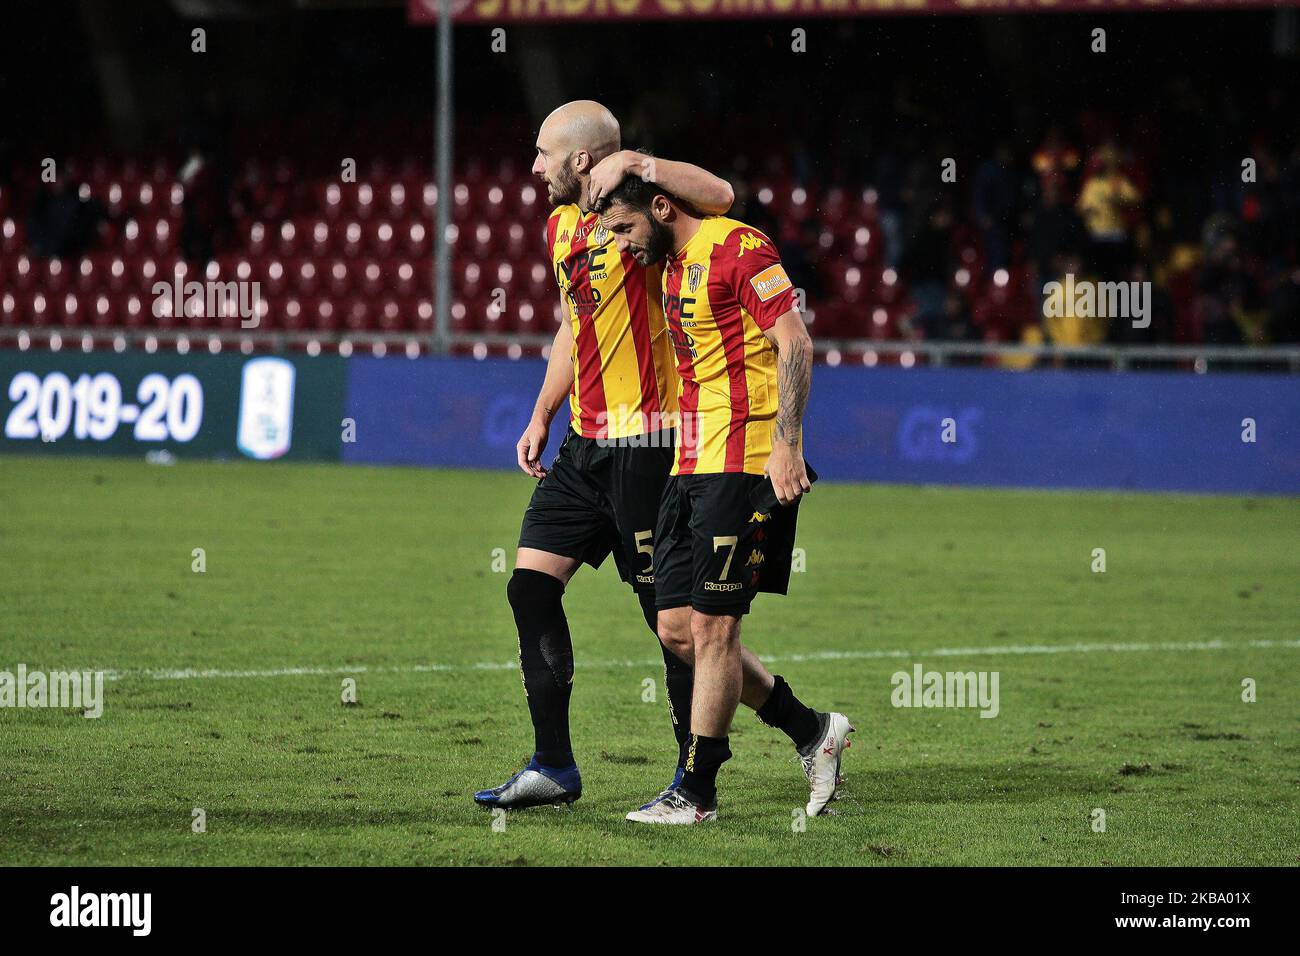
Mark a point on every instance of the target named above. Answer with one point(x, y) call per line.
point(749, 241)
point(599, 237)
point(693, 276)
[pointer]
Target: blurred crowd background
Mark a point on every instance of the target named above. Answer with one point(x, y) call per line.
point(1173, 158)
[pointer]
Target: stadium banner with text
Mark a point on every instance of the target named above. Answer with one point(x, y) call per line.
point(190, 406)
point(1149, 431)
point(513, 11)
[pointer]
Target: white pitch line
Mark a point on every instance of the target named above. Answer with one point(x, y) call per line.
point(208, 673)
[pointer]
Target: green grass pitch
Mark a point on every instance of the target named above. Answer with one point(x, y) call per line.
point(1119, 691)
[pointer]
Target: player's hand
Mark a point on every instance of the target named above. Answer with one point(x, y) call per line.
point(609, 172)
point(528, 452)
point(789, 476)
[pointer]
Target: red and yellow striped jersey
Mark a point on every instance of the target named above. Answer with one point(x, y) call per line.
point(624, 382)
point(722, 291)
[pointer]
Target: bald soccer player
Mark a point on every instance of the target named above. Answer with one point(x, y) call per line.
point(613, 361)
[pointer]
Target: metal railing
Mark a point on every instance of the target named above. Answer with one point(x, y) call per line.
point(870, 352)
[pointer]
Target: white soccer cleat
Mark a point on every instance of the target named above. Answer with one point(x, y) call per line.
point(674, 807)
point(822, 765)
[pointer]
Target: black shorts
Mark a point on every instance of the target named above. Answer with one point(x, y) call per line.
point(713, 551)
point(602, 497)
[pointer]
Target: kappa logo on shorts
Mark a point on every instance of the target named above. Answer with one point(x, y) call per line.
point(759, 517)
point(755, 558)
point(770, 282)
point(723, 585)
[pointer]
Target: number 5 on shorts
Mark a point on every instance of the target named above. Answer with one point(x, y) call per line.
point(727, 541)
point(645, 545)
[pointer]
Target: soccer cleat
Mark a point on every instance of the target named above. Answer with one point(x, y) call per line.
point(674, 806)
point(677, 779)
point(822, 764)
point(534, 786)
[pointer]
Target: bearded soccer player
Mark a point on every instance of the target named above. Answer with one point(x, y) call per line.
point(613, 360)
point(744, 360)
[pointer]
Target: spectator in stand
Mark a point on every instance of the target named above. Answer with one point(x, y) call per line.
point(1106, 201)
point(63, 224)
point(995, 207)
point(205, 207)
point(1055, 230)
point(1228, 308)
point(928, 264)
point(1061, 323)
point(954, 324)
point(1262, 207)
point(889, 170)
point(1161, 314)
point(1284, 309)
point(1057, 164)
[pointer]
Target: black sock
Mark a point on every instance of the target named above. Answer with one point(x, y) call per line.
point(704, 756)
point(546, 661)
point(679, 680)
point(786, 712)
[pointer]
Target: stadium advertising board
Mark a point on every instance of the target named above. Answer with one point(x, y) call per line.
point(1142, 431)
point(443, 412)
point(499, 11)
point(193, 406)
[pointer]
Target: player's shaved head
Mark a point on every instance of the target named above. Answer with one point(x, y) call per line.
point(583, 125)
point(572, 140)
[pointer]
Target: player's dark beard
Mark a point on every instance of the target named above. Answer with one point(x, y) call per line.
point(660, 243)
point(566, 188)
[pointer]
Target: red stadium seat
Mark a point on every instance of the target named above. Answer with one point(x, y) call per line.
point(391, 317)
point(10, 313)
point(357, 316)
point(55, 277)
point(338, 281)
point(12, 237)
point(305, 276)
point(415, 240)
point(293, 317)
point(423, 316)
point(324, 315)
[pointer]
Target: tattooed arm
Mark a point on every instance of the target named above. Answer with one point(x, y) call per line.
point(794, 355)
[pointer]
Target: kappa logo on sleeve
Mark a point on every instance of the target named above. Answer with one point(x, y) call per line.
point(749, 241)
point(770, 282)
